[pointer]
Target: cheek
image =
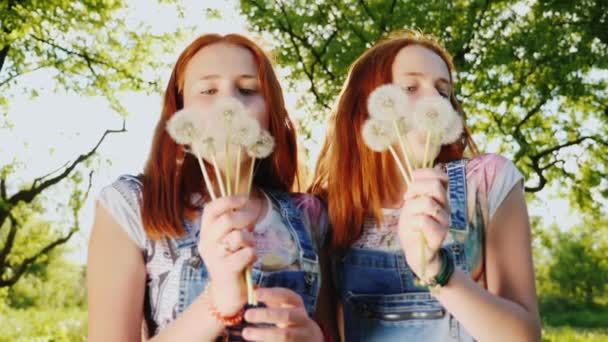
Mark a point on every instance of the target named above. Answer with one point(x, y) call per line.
point(412, 99)
point(257, 109)
point(198, 102)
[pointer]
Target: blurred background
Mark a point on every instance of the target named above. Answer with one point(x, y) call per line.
point(80, 94)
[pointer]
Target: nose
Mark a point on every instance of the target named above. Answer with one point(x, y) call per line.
point(430, 90)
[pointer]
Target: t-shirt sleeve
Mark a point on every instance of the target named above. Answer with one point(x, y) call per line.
point(122, 200)
point(506, 178)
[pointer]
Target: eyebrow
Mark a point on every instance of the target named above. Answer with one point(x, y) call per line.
point(215, 76)
point(419, 74)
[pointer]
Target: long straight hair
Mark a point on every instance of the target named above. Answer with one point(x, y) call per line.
point(172, 177)
point(349, 176)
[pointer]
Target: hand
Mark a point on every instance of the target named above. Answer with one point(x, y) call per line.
point(285, 309)
point(425, 213)
point(227, 247)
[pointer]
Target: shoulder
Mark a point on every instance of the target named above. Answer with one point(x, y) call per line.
point(493, 176)
point(122, 200)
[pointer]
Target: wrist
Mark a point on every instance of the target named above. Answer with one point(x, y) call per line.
point(228, 315)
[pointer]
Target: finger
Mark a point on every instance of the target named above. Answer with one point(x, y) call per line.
point(240, 259)
point(276, 297)
point(434, 233)
point(427, 206)
point(219, 206)
point(430, 188)
point(238, 239)
point(226, 223)
point(273, 334)
point(425, 174)
point(283, 317)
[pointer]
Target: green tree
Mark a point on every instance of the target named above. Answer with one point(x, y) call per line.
point(92, 49)
point(579, 265)
point(531, 74)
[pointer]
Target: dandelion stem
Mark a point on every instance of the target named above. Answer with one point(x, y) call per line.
point(218, 175)
point(237, 176)
point(250, 178)
point(403, 149)
point(227, 169)
point(208, 183)
point(251, 298)
point(399, 164)
point(426, 149)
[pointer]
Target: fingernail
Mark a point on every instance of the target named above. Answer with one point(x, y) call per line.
point(246, 333)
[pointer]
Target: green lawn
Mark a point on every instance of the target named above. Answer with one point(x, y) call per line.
point(568, 334)
point(33, 325)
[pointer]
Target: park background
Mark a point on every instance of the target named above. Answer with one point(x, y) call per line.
point(80, 93)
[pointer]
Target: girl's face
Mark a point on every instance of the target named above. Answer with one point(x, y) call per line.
point(224, 70)
point(420, 72)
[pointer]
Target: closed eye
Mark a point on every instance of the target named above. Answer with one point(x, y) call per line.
point(247, 92)
point(211, 91)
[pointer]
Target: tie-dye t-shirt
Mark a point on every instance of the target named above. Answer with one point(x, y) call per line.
point(490, 178)
point(275, 245)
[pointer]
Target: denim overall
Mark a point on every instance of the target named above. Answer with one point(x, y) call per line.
point(305, 281)
point(377, 288)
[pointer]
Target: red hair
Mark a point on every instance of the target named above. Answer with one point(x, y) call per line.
point(171, 176)
point(349, 176)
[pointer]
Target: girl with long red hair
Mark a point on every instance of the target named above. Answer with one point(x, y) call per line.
point(164, 255)
point(471, 212)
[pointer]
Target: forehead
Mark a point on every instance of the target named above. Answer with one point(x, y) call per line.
point(223, 59)
point(419, 59)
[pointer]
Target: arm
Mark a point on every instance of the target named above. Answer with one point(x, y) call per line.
point(508, 310)
point(116, 277)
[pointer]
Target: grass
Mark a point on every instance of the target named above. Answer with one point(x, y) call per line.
point(34, 325)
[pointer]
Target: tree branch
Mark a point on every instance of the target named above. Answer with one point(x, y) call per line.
point(367, 10)
point(28, 195)
point(567, 144)
point(3, 188)
point(41, 178)
point(8, 243)
point(385, 17)
point(307, 45)
point(538, 169)
point(349, 23)
point(27, 262)
point(532, 112)
point(3, 54)
point(466, 47)
point(292, 36)
point(92, 59)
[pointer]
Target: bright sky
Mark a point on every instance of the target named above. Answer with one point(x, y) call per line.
point(69, 125)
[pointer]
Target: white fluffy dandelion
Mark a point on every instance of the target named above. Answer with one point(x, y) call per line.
point(262, 147)
point(454, 129)
point(182, 127)
point(206, 146)
point(378, 135)
point(229, 109)
point(245, 130)
point(433, 115)
point(387, 102)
